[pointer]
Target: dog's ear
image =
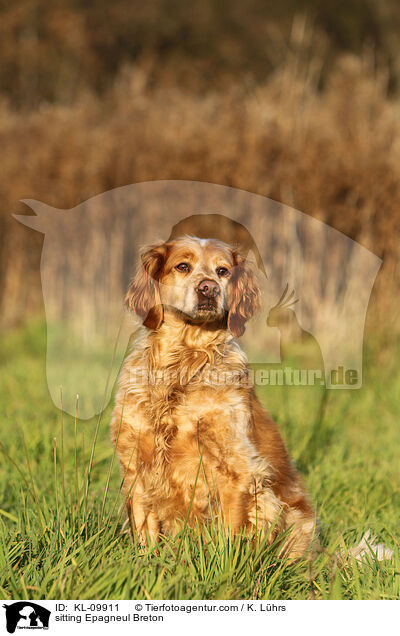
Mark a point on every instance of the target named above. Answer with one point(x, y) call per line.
point(143, 296)
point(245, 295)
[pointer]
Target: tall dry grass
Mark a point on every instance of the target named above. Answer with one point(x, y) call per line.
point(333, 154)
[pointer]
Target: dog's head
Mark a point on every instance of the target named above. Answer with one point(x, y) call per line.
point(200, 280)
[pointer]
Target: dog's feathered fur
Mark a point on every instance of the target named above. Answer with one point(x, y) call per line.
point(191, 443)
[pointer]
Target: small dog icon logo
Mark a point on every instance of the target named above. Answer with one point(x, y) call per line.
point(26, 615)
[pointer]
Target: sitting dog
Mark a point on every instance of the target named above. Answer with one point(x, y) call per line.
point(192, 437)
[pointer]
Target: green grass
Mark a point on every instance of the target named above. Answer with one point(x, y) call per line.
point(63, 535)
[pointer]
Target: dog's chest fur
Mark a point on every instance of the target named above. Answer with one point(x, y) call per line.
point(184, 410)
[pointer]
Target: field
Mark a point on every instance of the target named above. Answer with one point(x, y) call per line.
point(297, 101)
point(62, 530)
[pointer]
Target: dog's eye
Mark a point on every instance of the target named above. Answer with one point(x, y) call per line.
point(222, 271)
point(183, 267)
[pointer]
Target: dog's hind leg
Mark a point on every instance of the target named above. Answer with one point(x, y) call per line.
point(266, 511)
point(303, 534)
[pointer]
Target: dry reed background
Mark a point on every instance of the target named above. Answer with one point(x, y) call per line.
point(332, 152)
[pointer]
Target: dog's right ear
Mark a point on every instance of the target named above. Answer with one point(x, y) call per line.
point(143, 296)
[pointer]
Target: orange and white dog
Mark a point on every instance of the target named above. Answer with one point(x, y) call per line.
point(192, 438)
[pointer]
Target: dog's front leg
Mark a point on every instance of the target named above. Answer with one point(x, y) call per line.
point(142, 520)
point(234, 505)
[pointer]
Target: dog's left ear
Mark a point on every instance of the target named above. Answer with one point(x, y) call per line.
point(245, 295)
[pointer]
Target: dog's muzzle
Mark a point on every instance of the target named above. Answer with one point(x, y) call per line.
point(208, 292)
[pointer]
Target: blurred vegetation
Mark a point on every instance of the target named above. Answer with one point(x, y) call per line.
point(53, 50)
point(295, 100)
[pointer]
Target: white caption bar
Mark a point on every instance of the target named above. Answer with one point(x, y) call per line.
point(159, 617)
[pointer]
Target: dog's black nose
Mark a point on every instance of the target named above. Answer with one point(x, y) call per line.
point(208, 288)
